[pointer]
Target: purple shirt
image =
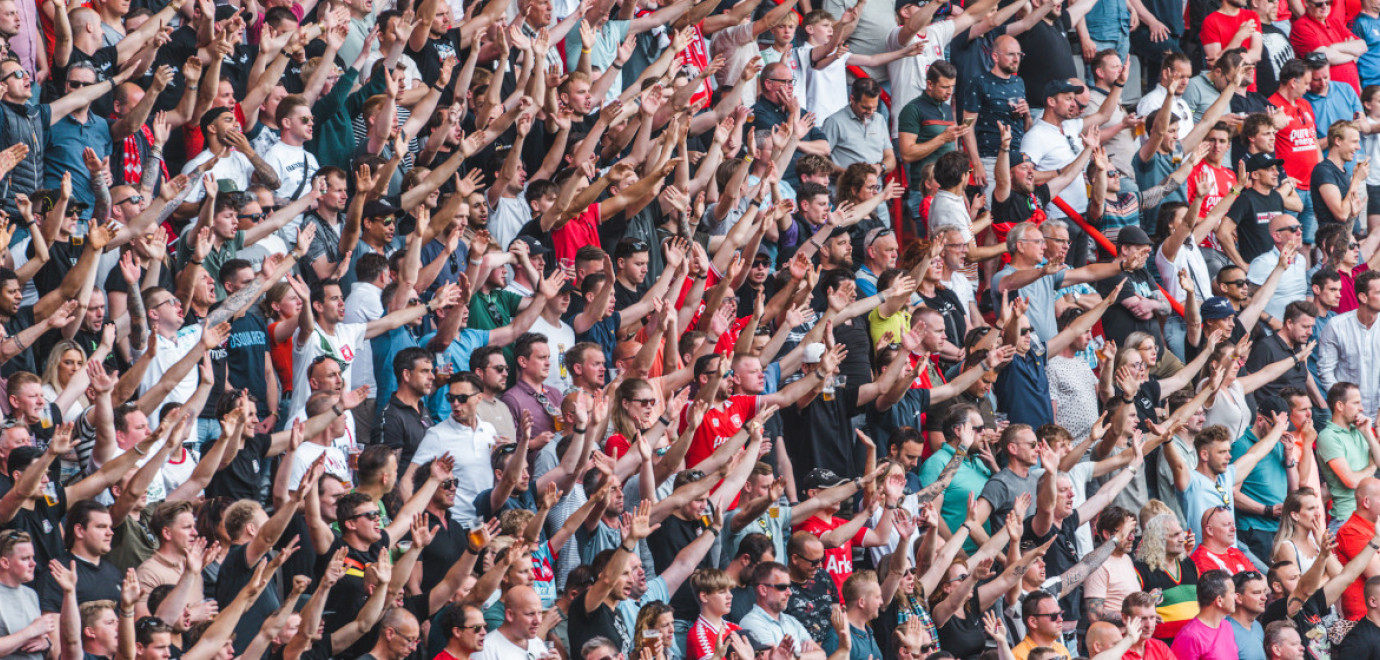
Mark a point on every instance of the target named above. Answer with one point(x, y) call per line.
point(1196, 641)
point(522, 397)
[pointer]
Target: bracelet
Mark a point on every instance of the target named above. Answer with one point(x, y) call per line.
point(194, 261)
point(665, 421)
point(193, 87)
point(476, 262)
point(584, 51)
point(141, 452)
point(335, 408)
point(1117, 84)
point(579, 430)
point(985, 367)
point(126, 614)
point(891, 507)
point(624, 546)
point(615, 65)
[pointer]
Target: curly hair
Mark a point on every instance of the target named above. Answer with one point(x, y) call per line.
point(1152, 551)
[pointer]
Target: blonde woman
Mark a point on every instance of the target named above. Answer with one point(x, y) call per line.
point(1302, 526)
point(656, 629)
point(65, 361)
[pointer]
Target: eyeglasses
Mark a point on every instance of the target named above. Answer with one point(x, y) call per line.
point(780, 81)
point(17, 73)
point(779, 587)
point(371, 515)
point(174, 301)
point(132, 199)
point(1016, 54)
point(459, 398)
point(1291, 228)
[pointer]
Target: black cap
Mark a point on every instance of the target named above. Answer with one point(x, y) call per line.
point(823, 478)
point(1261, 161)
point(534, 246)
point(379, 208)
point(1315, 60)
point(1060, 87)
point(1133, 235)
point(224, 12)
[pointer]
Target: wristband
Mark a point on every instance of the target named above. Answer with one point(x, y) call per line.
point(335, 408)
point(438, 88)
point(1117, 84)
point(616, 65)
point(665, 421)
point(624, 546)
point(985, 367)
point(195, 261)
point(126, 614)
point(579, 430)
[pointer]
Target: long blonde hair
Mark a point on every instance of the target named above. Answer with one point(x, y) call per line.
point(1152, 544)
point(50, 370)
point(1287, 527)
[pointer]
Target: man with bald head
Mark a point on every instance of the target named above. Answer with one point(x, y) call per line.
point(995, 97)
point(83, 27)
point(399, 634)
point(517, 638)
point(1353, 537)
point(1101, 636)
point(1293, 285)
point(778, 85)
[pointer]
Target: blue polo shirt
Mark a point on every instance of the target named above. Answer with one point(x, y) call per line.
point(457, 355)
point(1368, 29)
point(1023, 391)
point(1340, 104)
point(66, 140)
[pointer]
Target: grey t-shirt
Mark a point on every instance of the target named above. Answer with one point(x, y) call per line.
point(1041, 296)
point(1001, 492)
point(18, 609)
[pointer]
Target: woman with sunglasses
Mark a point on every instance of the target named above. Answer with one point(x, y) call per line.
point(1130, 379)
point(635, 408)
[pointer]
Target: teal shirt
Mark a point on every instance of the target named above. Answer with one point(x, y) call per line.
point(1267, 483)
point(971, 477)
point(1348, 444)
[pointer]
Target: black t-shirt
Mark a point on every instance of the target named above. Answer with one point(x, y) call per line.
point(443, 551)
point(1053, 60)
point(1118, 323)
point(402, 427)
point(302, 562)
point(62, 258)
point(240, 480)
point(94, 582)
point(1252, 213)
point(602, 622)
point(1325, 173)
point(950, 307)
point(235, 573)
point(1062, 556)
point(821, 434)
point(668, 540)
point(1268, 351)
point(115, 281)
point(1019, 207)
point(1362, 643)
point(1308, 620)
point(348, 595)
point(624, 297)
point(24, 361)
point(811, 601)
point(964, 636)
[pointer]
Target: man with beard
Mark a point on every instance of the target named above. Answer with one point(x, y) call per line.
point(1036, 280)
point(996, 98)
point(926, 127)
point(405, 419)
point(1021, 193)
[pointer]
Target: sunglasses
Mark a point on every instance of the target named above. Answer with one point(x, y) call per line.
point(1025, 331)
point(252, 216)
point(17, 73)
point(1291, 228)
point(78, 84)
point(812, 562)
point(132, 199)
point(1052, 616)
point(779, 587)
point(450, 484)
point(459, 398)
point(643, 402)
point(372, 515)
point(1240, 282)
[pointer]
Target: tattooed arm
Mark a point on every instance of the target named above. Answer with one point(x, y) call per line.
point(239, 300)
point(1072, 578)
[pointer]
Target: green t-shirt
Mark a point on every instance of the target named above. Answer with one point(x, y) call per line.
point(1349, 445)
point(971, 477)
point(925, 118)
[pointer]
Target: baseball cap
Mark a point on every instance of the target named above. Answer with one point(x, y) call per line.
point(534, 246)
point(823, 478)
point(379, 208)
point(1216, 307)
point(1059, 86)
point(1133, 235)
point(1261, 161)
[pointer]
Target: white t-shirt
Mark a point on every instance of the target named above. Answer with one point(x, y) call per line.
point(235, 167)
point(288, 161)
point(1052, 147)
point(1189, 256)
point(497, 647)
point(169, 352)
point(507, 218)
point(826, 89)
point(346, 346)
point(337, 463)
point(471, 448)
point(560, 339)
point(364, 304)
point(343, 442)
point(908, 73)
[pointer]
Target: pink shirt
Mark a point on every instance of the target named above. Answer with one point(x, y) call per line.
point(1196, 641)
